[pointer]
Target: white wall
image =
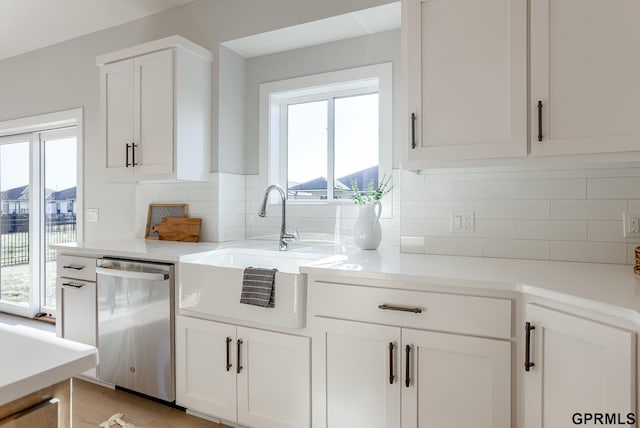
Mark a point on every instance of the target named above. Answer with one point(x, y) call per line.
point(572, 215)
point(65, 76)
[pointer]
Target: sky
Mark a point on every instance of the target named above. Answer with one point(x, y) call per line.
point(356, 137)
point(60, 164)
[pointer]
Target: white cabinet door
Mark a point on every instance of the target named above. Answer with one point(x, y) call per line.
point(579, 366)
point(116, 86)
point(455, 381)
point(204, 381)
point(77, 312)
point(467, 79)
point(586, 74)
point(153, 113)
point(274, 388)
point(358, 364)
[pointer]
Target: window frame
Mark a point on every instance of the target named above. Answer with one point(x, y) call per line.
point(38, 128)
point(276, 96)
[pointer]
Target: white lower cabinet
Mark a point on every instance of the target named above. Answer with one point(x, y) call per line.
point(577, 366)
point(388, 377)
point(77, 315)
point(253, 377)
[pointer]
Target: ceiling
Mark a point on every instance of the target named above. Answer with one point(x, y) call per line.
point(26, 25)
point(354, 24)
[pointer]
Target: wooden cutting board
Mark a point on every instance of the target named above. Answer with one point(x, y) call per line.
point(178, 229)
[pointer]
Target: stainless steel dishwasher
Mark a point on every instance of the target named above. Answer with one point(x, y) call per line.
point(136, 326)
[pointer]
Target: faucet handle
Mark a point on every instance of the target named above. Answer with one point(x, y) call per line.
point(294, 235)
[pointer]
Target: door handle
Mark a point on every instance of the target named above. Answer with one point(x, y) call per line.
point(126, 162)
point(539, 121)
point(238, 366)
point(133, 154)
point(407, 370)
point(413, 130)
point(391, 377)
point(228, 365)
point(527, 346)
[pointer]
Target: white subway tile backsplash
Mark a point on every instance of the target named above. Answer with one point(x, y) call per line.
point(551, 229)
point(503, 229)
point(516, 249)
point(454, 246)
point(516, 209)
point(586, 173)
point(482, 190)
point(551, 189)
point(588, 209)
point(516, 175)
point(598, 252)
point(606, 231)
point(412, 244)
point(614, 188)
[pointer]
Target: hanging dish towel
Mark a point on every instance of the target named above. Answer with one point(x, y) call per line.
point(258, 287)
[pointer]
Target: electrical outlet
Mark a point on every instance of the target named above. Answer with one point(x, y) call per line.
point(631, 225)
point(92, 215)
point(462, 223)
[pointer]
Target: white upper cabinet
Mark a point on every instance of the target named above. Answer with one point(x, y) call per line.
point(155, 110)
point(467, 79)
point(585, 74)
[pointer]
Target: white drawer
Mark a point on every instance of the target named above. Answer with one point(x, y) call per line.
point(77, 267)
point(482, 316)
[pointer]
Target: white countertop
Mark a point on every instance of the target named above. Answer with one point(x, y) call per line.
point(613, 289)
point(33, 359)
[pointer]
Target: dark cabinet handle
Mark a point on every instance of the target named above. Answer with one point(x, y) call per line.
point(527, 347)
point(73, 284)
point(74, 267)
point(238, 366)
point(539, 120)
point(386, 307)
point(413, 130)
point(133, 154)
point(407, 371)
point(229, 365)
point(391, 377)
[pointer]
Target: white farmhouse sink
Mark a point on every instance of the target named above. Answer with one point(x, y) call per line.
point(211, 284)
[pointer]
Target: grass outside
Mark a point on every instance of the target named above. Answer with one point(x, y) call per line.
point(15, 283)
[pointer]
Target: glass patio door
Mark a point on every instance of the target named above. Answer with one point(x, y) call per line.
point(38, 181)
point(15, 224)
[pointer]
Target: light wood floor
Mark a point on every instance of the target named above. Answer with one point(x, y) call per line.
point(93, 404)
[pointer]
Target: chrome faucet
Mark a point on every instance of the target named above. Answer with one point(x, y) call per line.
point(284, 236)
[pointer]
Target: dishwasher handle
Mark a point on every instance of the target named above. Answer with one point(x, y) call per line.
point(149, 276)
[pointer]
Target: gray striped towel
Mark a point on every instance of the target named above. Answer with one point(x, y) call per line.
point(258, 287)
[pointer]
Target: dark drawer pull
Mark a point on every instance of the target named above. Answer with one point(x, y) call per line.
point(74, 267)
point(527, 347)
point(238, 366)
point(386, 307)
point(73, 284)
point(229, 365)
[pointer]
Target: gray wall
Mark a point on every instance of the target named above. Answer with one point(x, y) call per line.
point(355, 52)
point(65, 76)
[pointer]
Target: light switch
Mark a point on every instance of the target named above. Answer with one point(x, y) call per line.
point(462, 223)
point(92, 215)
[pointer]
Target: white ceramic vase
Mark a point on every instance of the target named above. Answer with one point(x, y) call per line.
point(367, 232)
